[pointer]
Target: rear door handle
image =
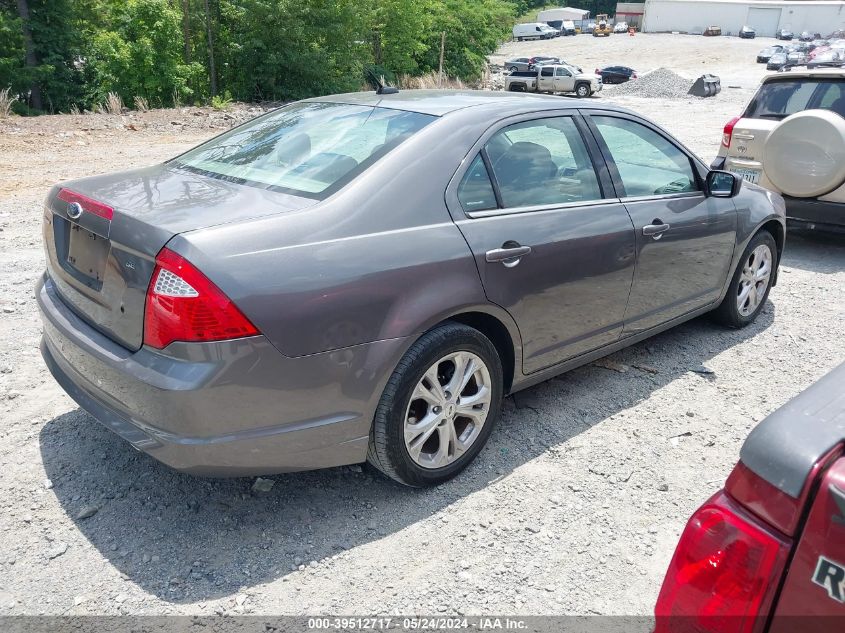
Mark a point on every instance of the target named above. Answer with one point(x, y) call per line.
point(655, 230)
point(508, 256)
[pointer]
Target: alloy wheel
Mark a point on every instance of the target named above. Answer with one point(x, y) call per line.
point(447, 410)
point(754, 280)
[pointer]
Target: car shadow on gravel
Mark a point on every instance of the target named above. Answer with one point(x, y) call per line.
point(187, 539)
point(815, 252)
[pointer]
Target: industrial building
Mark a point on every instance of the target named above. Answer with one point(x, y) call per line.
point(693, 16)
point(564, 13)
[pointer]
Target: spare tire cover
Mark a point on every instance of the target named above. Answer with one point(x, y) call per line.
point(804, 156)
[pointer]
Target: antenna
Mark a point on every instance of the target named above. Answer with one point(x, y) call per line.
point(381, 87)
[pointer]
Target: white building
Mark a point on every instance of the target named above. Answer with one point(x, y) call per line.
point(693, 16)
point(561, 14)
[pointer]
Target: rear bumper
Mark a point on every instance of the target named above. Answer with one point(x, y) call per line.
point(230, 408)
point(815, 214)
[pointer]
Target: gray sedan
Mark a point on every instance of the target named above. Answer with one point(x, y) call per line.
point(363, 277)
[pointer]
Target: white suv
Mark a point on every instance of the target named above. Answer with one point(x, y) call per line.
point(791, 140)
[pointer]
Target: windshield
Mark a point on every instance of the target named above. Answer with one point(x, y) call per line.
point(782, 98)
point(306, 149)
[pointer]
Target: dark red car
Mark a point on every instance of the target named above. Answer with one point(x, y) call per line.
point(767, 553)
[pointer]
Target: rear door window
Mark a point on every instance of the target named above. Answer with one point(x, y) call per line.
point(542, 162)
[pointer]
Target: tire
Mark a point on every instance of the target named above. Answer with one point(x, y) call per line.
point(513, 69)
point(582, 91)
point(728, 313)
point(388, 451)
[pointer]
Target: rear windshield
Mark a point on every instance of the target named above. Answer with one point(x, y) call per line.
point(784, 97)
point(306, 149)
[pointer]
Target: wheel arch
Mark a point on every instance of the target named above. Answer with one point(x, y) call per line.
point(499, 335)
point(778, 232)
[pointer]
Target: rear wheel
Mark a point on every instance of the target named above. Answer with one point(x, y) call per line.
point(513, 69)
point(751, 283)
point(582, 90)
point(438, 408)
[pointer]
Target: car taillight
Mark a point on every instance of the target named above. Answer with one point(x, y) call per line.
point(634, 76)
point(88, 204)
point(598, 71)
point(184, 305)
point(728, 131)
point(724, 573)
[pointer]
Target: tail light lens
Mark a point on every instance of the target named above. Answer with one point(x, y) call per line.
point(184, 305)
point(598, 71)
point(728, 131)
point(724, 574)
point(634, 76)
point(88, 204)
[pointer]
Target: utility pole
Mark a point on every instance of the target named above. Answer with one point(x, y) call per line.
point(442, 49)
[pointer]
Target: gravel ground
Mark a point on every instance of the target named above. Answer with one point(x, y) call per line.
point(574, 507)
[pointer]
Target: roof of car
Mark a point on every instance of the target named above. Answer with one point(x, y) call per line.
point(793, 73)
point(441, 102)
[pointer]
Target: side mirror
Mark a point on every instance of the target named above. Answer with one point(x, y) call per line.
point(723, 184)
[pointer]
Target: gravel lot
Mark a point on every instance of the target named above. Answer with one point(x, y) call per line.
point(573, 508)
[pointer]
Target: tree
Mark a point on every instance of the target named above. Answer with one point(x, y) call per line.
point(31, 57)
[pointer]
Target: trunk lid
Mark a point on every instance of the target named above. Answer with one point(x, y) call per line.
point(101, 266)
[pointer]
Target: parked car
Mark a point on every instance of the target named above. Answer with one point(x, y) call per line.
point(568, 28)
point(765, 55)
point(591, 26)
point(806, 36)
point(365, 276)
point(796, 57)
point(551, 32)
point(620, 27)
point(554, 78)
point(791, 139)
point(712, 31)
point(519, 63)
point(784, 34)
point(539, 60)
point(777, 60)
point(832, 57)
point(530, 31)
point(616, 74)
point(747, 33)
point(767, 552)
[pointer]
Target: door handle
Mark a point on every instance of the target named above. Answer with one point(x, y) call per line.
point(509, 256)
point(656, 229)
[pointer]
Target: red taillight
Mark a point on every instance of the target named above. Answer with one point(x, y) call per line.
point(633, 75)
point(598, 71)
point(184, 305)
point(727, 133)
point(724, 573)
point(88, 204)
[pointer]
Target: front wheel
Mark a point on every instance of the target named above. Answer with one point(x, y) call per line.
point(751, 283)
point(582, 90)
point(513, 69)
point(438, 408)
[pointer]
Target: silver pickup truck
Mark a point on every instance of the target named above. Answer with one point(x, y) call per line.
point(553, 78)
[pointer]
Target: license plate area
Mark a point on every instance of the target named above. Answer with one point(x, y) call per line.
point(749, 175)
point(81, 253)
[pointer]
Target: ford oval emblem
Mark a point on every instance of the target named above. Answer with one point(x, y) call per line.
point(74, 210)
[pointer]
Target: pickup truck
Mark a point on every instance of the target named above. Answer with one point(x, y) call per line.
point(766, 554)
point(553, 78)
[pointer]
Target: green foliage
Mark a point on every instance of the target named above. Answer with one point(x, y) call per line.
point(159, 50)
point(139, 53)
point(221, 103)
